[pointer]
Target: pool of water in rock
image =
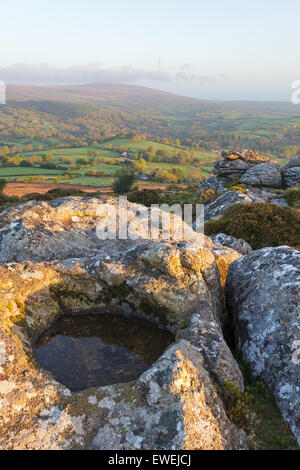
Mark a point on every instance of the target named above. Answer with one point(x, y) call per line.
point(84, 351)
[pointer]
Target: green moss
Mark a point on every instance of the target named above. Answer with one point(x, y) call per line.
point(261, 225)
point(232, 182)
point(256, 412)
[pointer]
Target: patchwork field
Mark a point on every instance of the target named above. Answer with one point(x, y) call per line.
point(111, 162)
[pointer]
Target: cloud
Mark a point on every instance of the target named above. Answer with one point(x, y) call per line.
point(185, 66)
point(91, 73)
point(188, 77)
point(44, 74)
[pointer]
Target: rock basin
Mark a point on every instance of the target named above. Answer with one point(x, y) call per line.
point(174, 404)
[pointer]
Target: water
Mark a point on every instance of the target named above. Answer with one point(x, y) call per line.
point(86, 351)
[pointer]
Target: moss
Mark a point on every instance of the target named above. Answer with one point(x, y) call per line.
point(256, 412)
point(130, 394)
point(261, 225)
point(292, 196)
point(232, 182)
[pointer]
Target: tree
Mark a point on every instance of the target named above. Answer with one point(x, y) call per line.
point(3, 183)
point(123, 184)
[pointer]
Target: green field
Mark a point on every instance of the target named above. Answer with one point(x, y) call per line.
point(21, 173)
point(17, 172)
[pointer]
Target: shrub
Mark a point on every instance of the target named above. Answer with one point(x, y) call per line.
point(123, 184)
point(261, 225)
point(292, 196)
point(64, 192)
point(55, 193)
point(145, 197)
point(3, 183)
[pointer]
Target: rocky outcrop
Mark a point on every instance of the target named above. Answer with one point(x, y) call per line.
point(56, 263)
point(219, 206)
point(249, 196)
point(235, 164)
point(291, 177)
point(262, 292)
point(263, 175)
point(250, 168)
point(250, 156)
point(237, 244)
point(292, 163)
point(291, 172)
point(216, 184)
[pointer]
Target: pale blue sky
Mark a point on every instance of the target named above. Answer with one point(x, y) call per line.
point(223, 49)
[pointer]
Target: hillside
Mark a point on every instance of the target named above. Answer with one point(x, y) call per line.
point(110, 94)
point(72, 115)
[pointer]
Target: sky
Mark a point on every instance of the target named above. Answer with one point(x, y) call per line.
point(216, 49)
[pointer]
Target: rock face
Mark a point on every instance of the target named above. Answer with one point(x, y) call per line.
point(291, 176)
point(217, 184)
point(291, 172)
point(164, 421)
point(292, 163)
point(264, 175)
point(219, 206)
point(235, 164)
point(55, 263)
point(262, 292)
point(237, 244)
point(230, 169)
point(250, 168)
point(250, 196)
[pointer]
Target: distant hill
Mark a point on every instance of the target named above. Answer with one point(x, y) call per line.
point(96, 112)
point(96, 93)
point(132, 97)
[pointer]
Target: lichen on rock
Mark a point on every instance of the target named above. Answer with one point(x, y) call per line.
point(54, 263)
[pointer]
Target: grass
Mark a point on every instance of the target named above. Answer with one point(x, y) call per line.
point(256, 412)
point(12, 173)
point(136, 145)
point(17, 171)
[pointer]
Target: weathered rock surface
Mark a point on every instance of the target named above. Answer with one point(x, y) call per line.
point(219, 206)
point(250, 196)
point(235, 164)
point(216, 184)
point(237, 244)
point(67, 228)
point(262, 293)
point(263, 175)
point(230, 169)
point(178, 408)
point(293, 162)
point(291, 176)
point(66, 268)
point(251, 156)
